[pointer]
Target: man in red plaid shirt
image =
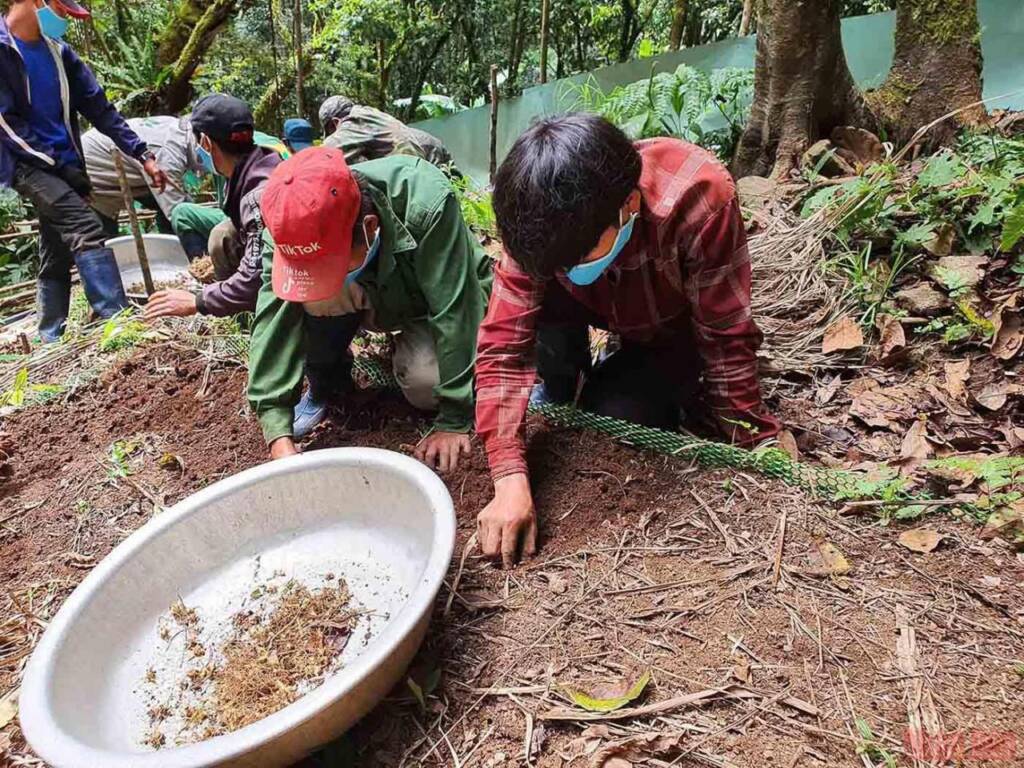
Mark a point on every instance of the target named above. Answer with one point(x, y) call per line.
point(644, 240)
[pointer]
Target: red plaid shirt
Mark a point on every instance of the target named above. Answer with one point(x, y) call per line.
point(687, 262)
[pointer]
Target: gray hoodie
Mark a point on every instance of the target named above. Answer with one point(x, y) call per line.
point(170, 138)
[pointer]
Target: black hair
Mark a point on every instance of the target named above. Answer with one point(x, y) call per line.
point(560, 187)
point(236, 149)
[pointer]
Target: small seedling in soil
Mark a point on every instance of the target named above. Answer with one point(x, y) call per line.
point(870, 747)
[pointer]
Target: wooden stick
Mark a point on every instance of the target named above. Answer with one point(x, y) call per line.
point(133, 222)
point(493, 168)
point(780, 545)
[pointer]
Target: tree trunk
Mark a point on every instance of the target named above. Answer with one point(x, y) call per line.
point(545, 14)
point(300, 78)
point(748, 12)
point(802, 86)
point(276, 86)
point(675, 35)
point(182, 46)
point(516, 47)
point(421, 77)
point(936, 70)
point(626, 31)
point(266, 114)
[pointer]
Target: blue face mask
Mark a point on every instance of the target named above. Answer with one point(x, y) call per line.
point(206, 159)
point(50, 24)
point(371, 254)
point(585, 274)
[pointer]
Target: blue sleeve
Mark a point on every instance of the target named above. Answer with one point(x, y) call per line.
point(88, 99)
point(16, 133)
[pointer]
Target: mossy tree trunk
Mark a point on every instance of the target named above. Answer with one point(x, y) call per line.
point(802, 86)
point(936, 70)
point(183, 44)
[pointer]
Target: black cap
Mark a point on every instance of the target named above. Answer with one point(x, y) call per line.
point(223, 118)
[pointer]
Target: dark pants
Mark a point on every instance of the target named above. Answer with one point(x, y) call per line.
point(328, 358)
point(67, 224)
point(163, 224)
point(644, 383)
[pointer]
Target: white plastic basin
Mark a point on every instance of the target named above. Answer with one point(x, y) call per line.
point(381, 520)
point(167, 259)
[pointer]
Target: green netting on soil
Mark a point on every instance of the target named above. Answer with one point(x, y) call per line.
point(771, 462)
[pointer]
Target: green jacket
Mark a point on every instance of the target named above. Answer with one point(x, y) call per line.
point(429, 267)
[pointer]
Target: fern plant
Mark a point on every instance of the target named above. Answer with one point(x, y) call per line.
point(131, 74)
point(687, 104)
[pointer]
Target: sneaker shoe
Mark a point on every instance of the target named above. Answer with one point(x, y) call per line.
point(308, 414)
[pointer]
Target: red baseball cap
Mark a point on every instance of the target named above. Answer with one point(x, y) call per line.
point(74, 9)
point(310, 205)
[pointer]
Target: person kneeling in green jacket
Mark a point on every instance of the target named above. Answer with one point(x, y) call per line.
point(383, 246)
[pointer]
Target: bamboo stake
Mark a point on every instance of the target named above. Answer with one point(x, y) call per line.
point(133, 222)
point(494, 122)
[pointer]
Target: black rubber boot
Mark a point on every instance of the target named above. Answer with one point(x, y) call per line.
point(194, 245)
point(102, 281)
point(53, 298)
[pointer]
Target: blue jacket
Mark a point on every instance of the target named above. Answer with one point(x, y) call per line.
point(80, 94)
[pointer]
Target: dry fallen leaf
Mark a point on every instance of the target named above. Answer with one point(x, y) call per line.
point(891, 335)
point(788, 444)
point(959, 271)
point(922, 540)
point(922, 299)
point(843, 334)
point(888, 406)
point(607, 697)
point(915, 442)
point(8, 708)
point(638, 749)
point(556, 583)
point(993, 397)
point(957, 374)
point(834, 560)
point(741, 671)
point(1008, 337)
point(825, 392)
point(941, 243)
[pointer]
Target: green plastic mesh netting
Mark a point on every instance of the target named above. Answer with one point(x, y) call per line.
point(772, 462)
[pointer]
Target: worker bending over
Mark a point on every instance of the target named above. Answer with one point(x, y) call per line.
point(223, 128)
point(644, 240)
point(365, 133)
point(44, 87)
point(383, 246)
point(298, 134)
point(172, 141)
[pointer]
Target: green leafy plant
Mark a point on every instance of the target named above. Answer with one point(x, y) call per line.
point(476, 206)
point(421, 692)
point(121, 452)
point(869, 746)
point(687, 104)
point(122, 331)
point(22, 392)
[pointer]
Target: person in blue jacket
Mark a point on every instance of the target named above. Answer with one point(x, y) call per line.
point(44, 87)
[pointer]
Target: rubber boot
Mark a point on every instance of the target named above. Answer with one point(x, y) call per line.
point(194, 245)
point(308, 414)
point(102, 281)
point(53, 299)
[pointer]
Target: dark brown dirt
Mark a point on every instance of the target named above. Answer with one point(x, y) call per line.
point(646, 564)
